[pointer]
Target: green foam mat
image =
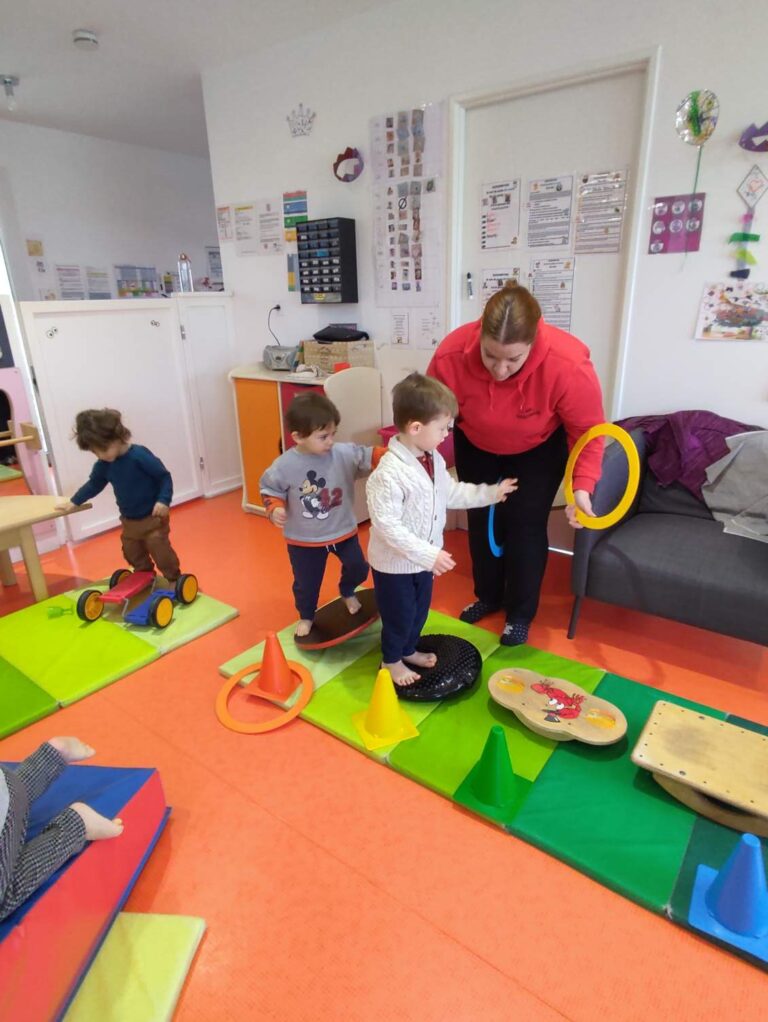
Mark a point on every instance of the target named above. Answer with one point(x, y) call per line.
point(139, 971)
point(7, 473)
point(323, 664)
point(189, 622)
point(332, 707)
point(453, 738)
point(710, 845)
point(593, 808)
point(22, 702)
point(66, 657)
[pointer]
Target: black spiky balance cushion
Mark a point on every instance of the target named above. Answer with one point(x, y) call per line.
point(457, 669)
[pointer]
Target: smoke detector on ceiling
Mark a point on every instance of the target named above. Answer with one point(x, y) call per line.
point(85, 39)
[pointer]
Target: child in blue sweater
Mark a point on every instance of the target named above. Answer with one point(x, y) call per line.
point(143, 490)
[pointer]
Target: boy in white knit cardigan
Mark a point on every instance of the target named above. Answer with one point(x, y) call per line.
point(408, 495)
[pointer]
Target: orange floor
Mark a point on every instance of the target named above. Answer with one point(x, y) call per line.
point(334, 888)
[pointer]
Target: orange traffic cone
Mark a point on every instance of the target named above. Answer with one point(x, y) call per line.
point(275, 676)
point(385, 722)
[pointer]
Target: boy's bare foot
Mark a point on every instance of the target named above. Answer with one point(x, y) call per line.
point(303, 628)
point(421, 659)
point(401, 674)
point(97, 827)
point(353, 604)
point(71, 750)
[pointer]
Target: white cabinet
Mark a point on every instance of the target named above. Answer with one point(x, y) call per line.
point(130, 354)
point(205, 321)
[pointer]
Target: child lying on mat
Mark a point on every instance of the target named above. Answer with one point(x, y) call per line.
point(308, 492)
point(25, 865)
point(407, 499)
point(143, 490)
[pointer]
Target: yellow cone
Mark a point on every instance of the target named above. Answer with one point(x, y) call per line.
point(385, 722)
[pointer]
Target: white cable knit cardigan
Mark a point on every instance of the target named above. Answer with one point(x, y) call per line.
point(408, 512)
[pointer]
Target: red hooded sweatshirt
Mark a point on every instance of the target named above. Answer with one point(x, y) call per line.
point(556, 384)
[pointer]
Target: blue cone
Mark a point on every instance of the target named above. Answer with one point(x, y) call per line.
point(738, 897)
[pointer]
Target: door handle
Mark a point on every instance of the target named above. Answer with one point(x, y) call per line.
point(470, 288)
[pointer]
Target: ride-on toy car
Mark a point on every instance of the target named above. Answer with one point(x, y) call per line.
point(125, 585)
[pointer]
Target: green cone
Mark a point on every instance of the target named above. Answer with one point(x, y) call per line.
point(490, 787)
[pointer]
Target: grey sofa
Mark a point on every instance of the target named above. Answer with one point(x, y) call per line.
point(669, 557)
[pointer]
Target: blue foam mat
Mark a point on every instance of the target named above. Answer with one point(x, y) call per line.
point(106, 789)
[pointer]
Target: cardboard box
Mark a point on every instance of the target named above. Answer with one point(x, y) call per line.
point(325, 356)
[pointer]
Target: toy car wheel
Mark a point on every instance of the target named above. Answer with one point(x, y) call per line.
point(186, 588)
point(117, 576)
point(89, 605)
point(161, 612)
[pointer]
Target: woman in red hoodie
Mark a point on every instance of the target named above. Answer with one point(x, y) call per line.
point(526, 392)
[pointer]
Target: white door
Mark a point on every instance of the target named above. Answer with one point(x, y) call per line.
point(119, 354)
point(208, 346)
point(590, 127)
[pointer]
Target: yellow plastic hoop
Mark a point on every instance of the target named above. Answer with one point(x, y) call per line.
point(633, 480)
point(261, 727)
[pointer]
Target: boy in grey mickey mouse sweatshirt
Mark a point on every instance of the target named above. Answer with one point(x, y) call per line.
point(308, 492)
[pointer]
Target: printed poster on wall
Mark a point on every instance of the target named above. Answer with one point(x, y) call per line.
point(43, 281)
point(494, 280)
point(549, 212)
point(213, 259)
point(224, 223)
point(601, 201)
point(427, 327)
point(137, 281)
point(734, 311)
point(500, 215)
point(551, 281)
point(399, 327)
point(270, 227)
point(258, 227)
point(98, 282)
point(245, 226)
point(70, 278)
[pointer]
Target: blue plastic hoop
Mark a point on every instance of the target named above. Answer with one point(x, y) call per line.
point(496, 550)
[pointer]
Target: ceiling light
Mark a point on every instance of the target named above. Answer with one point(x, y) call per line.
point(10, 82)
point(85, 39)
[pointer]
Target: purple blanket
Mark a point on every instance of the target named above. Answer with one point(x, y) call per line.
point(682, 445)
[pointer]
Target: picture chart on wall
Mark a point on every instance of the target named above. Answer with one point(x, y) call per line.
point(408, 164)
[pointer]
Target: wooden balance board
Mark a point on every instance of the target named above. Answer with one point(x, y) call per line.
point(557, 708)
point(719, 770)
point(334, 624)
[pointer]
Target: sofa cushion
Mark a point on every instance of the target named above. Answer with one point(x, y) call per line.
point(671, 500)
point(686, 569)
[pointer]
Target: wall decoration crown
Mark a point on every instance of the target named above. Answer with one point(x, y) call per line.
point(300, 121)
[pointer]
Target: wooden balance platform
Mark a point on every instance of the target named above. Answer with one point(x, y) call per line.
point(718, 769)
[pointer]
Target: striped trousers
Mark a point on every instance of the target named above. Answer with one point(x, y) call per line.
point(25, 865)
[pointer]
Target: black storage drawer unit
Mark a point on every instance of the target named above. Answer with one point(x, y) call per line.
point(327, 261)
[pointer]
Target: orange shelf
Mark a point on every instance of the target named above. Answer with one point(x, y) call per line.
point(258, 417)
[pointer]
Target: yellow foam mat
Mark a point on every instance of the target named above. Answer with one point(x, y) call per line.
point(139, 970)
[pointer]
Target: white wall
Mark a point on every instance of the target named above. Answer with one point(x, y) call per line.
point(405, 54)
point(101, 203)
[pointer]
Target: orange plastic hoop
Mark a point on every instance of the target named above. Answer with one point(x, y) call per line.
point(261, 727)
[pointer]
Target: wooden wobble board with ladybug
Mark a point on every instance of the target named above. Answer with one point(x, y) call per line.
point(557, 708)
